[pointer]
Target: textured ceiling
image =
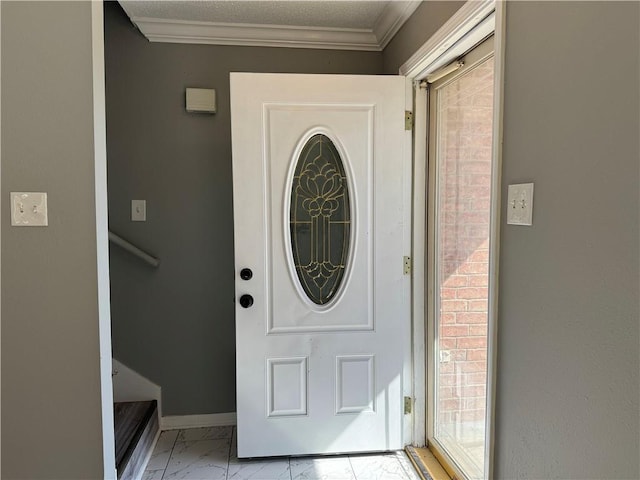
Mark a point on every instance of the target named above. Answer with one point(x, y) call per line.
point(333, 14)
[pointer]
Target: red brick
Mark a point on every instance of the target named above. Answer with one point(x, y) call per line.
point(481, 204)
point(478, 306)
point(474, 268)
point(446, 367)
point(476, 378)
point(482, 180)
point(479, 366)
point(448, 218)
point(447, 343)
point(447, 379)
point(476, 391)
point(472, 293)
point(479, 354)
point(445, 392)
point(468, 217)
point(475, 403)
point(478, 330)
point(454, 331)
point(474, 166)
point(446, 318)
point(447, 293)
point(485, 100)
point(458, 355)
point(450, 404)
point(453, 306)
point(478, 280)
point(480, 255)
point(471, 317)
point(472, 416)
point(477, 231)
point(471, 342)
point(456, 281)
point(473, 193)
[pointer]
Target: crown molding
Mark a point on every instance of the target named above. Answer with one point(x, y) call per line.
point(181, 31)
point(391, 20)
point(261, 35)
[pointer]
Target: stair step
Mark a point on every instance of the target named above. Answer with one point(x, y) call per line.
point(136, 424)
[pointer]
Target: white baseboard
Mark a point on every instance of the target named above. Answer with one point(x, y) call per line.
point(173, 422)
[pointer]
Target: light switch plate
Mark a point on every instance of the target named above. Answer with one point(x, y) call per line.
point(138, 210)
point(29, 209)
point(520, 204)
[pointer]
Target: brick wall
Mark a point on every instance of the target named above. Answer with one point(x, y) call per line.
point(463, 206)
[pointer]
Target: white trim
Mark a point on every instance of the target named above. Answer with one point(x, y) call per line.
point(130, 386)
point(419, 292)
point(499, 48)
point(391, 20)
point(102, 239)
point(263, 35)
point(174, 422)
point(0, 231)
point(429, 57)
point(182, 31)
point(409, 388)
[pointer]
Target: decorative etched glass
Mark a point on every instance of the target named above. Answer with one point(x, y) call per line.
point(320, 219)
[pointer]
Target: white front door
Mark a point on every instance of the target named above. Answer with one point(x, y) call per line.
point(321, 321)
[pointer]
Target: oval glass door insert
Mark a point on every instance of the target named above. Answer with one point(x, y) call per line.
point(320, 219)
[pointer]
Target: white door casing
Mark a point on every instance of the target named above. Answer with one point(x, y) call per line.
point(318, 379)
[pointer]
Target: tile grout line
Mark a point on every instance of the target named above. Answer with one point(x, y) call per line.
point(164, 471)
point(233, 434)
point(353, 470)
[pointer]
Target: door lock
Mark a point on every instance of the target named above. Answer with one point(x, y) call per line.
point(246, 274)
point(246, 301)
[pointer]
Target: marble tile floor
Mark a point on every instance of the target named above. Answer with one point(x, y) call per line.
point(211, 454)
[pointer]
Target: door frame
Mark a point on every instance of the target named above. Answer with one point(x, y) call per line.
point(470, 24)
point(102, 239)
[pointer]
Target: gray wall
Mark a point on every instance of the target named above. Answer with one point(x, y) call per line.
point(567, 390)
point(568, 315)
point(51, 415)
point(175, 325)
point(424, 22)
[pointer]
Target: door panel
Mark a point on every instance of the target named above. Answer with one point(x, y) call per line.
point(287, 129)
point(319, 366)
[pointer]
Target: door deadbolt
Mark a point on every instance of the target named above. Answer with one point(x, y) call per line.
point(246, 301)
point(246, 274)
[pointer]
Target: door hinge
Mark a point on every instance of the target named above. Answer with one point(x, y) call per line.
point(408, 120)
point(408, 401)
point(406, 265)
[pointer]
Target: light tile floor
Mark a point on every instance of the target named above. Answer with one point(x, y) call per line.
point(211, 454)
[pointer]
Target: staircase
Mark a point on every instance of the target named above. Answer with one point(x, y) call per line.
point(136, 427)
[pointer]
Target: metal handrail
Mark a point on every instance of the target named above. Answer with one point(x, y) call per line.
point(131, 248)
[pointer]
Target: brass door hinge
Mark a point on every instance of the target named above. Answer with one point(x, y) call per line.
point(408, 401)
point(406, 265)
point(408, 120)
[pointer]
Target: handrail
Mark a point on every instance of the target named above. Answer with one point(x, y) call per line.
point(131, 248)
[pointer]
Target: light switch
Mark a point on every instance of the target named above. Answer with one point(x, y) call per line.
point(138, 210)
point(520, 204)
point(29, 209)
